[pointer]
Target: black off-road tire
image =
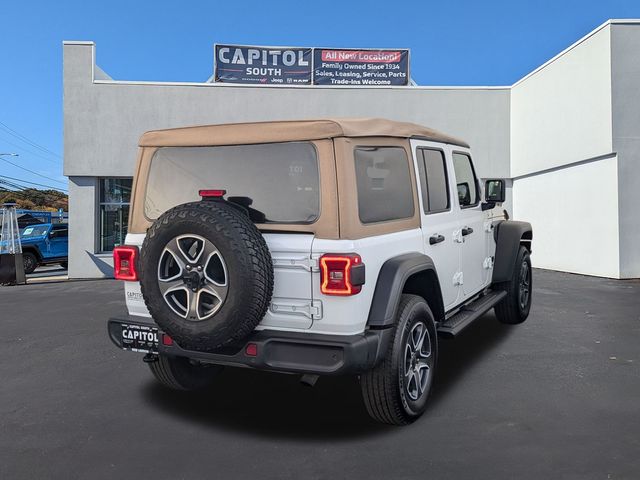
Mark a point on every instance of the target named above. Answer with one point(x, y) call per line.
point(178, 373)
point(384, 388)
point(248, 266)
point(30, 262)
point(512, 309)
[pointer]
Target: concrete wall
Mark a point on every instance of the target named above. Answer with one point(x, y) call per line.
point(625, 69)
point(104, 119)
point(84, 262)
point(565, 172)
point(561, 112)
point(573, 211)
point(558, 134)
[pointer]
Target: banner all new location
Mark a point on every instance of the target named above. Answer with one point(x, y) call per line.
point(305, 66)
point(360, 67)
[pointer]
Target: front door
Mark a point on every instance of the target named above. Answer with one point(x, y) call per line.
point(59, 241)
point(475, 269)
point(439, 217)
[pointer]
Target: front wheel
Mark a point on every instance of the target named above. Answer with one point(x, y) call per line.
point(516, 305)
point(179, 373)
point(30, 262)
point(396, 391)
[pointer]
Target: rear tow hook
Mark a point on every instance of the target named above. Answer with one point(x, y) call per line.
point(150, 358)
point(309, 380)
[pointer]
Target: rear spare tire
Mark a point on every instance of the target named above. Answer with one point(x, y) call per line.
point(206, 274)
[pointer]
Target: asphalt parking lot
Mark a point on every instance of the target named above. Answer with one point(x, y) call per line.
point(556, 397)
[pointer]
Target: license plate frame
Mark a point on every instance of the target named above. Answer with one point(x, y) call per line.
point(139, 338)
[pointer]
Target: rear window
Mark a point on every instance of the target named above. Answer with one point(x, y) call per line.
point(384, 184)
point(278, 182)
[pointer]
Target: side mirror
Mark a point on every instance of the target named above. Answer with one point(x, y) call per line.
point(52, 234)
point(494, 191)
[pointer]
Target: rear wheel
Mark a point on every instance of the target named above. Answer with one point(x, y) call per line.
point(516, 305)
point(396, 391)
point(179, 373)
point(30, 262)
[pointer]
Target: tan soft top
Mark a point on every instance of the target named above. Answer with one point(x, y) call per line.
point(290, 131)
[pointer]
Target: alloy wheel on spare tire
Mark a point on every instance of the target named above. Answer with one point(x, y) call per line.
point(206, 274)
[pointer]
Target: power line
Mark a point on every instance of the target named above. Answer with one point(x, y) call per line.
point(31, 171)
point(12, 185)
point(33, 183)
point(55, 162)
point(11, 131)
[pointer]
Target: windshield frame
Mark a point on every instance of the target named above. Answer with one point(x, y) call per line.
point(34, 225)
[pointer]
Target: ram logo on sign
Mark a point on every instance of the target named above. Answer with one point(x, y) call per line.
point(263, 65)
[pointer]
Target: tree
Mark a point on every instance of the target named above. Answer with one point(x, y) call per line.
point(34, 199)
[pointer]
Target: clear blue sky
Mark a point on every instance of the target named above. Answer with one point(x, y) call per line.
point(452, 43)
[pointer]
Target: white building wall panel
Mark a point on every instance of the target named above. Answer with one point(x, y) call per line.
point(574, 214)
point(561, 113)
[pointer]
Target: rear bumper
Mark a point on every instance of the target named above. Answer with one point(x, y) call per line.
point(291, 352)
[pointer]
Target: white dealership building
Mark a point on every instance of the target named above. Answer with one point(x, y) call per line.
point(567, 136)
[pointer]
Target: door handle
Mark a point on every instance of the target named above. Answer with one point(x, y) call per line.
point(433, 239)
point(467, 231)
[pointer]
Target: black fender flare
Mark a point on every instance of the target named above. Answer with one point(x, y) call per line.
point(509, 235)
point(392, 278)
point(34, 250)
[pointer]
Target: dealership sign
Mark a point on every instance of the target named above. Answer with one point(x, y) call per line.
point(263, 65)
point(306, 66)
point(360, 67)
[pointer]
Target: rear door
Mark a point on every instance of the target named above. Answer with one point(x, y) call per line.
point(440, 222)
point(292, 305)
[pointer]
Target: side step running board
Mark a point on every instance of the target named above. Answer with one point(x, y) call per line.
point(470, 313)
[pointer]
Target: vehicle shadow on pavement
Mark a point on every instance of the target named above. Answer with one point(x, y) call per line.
point(273, 405)
point(278, 405)
point(457, 356)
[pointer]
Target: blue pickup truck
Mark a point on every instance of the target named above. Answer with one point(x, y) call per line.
point(44, 244)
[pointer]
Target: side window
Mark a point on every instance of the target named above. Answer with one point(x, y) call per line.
point(433, 178)
point(61, 232)
point(384, 184)
point(465, 180)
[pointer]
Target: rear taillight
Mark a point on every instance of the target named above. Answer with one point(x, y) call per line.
point(124, 263)
point(341, 274)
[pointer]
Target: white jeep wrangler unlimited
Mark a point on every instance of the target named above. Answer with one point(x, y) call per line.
point(318, 247)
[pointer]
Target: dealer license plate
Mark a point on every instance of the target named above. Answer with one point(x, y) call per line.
point(140, 338)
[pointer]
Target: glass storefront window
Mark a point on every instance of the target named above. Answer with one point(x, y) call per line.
point(115, 195)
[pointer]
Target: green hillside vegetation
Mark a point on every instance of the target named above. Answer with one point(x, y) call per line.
point(34, 199)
